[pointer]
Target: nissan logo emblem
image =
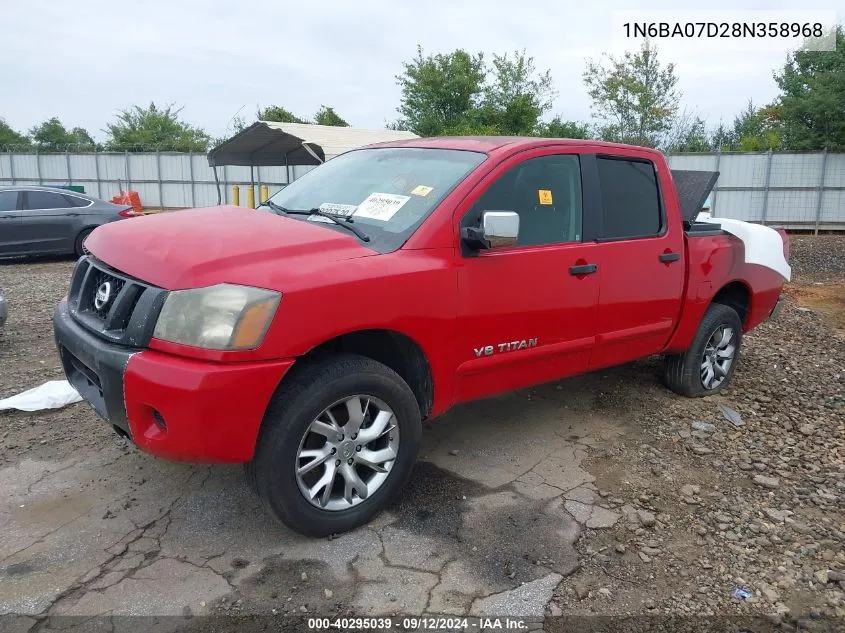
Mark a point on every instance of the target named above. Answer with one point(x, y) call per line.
point(103, 295)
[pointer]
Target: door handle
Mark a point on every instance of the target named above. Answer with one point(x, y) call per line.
point(71, 215)
point(668, 258)
point(585, 269)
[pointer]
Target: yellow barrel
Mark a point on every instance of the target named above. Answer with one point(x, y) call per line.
point(265, 193)
point(236, 195)
point(250, 197)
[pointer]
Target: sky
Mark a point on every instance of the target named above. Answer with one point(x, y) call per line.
point(85, 60)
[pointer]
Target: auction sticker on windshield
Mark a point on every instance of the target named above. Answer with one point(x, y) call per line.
point(334, 208)
point(381, 206)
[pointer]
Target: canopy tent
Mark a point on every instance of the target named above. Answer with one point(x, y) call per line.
point(269, 143)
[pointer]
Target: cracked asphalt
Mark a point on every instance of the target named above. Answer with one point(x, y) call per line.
point(560, 499)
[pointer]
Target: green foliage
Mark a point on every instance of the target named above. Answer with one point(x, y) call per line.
point(458, 93)
point(327, 116)
point(558, 128)
point(689, 135)
point(516, 96)
point(812, 100)
point(154, 128)
point(634, 97)
point(440, 93)
point(52, 136)
point(10, 139)
point(278, 114)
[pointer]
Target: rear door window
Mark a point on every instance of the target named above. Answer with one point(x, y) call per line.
point(34, 199)
point(630, 198)
point(8, 200)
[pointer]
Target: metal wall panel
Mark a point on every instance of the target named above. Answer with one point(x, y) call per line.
point(760, 187)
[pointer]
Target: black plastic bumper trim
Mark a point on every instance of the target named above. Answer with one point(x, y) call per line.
point(93, 367)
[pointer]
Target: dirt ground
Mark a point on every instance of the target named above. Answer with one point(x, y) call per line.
point(601, 495)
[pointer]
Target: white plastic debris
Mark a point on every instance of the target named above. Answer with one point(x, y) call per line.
point(53, 394)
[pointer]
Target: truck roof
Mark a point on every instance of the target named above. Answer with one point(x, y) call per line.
point(489, 144)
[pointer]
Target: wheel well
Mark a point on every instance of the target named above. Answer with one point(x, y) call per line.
point(735, 295)
point(397, 351)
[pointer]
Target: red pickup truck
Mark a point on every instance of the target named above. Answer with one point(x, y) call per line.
point(309, 338)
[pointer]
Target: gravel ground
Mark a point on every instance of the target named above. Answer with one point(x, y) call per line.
point(817, 256)
point(708, 508)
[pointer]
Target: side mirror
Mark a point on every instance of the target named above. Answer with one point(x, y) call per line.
point(499, 229)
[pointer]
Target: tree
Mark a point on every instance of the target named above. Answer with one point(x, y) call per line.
point(154, 128)
point(756, 129)
point(52, 136)
point(558, 128)
point(440, 93)
point(812, 100)
point(634, 97)
point(687, 134)
point(278, 114)
point(10, 139)
point(327, 116)
point(516, 96)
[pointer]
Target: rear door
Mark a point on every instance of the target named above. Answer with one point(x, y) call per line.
point(524, 316)
point(11, 241)
point(641, 262)
point(50, 222)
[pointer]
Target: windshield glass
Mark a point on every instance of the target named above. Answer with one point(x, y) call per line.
point(386, 192)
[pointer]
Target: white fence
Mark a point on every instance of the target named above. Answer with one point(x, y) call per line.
point(797, 190)
point(162, 179)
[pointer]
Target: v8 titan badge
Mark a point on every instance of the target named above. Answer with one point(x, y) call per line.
point(545, 196)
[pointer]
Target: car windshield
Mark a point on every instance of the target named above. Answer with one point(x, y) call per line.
point(386, 192)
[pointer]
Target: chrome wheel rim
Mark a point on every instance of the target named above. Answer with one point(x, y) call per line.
point(347, 453)
point(719, 353)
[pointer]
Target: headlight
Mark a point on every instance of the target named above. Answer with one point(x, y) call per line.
point(225, 317)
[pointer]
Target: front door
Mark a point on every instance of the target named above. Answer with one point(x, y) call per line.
point(527, 313)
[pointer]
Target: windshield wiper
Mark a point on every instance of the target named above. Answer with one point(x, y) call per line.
point(346, 223)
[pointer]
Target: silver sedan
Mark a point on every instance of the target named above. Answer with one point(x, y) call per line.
point(46, 221)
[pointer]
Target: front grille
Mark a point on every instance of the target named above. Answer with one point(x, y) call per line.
point(115, 285)
point(113, 305)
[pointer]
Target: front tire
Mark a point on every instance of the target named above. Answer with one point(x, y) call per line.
point(708, 365)
point(338, 443)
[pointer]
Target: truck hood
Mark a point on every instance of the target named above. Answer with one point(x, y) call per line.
point(227, 244)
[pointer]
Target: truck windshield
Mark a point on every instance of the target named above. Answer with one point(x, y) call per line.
point(386, 192)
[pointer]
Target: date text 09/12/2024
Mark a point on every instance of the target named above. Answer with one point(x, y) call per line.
point(419, 623)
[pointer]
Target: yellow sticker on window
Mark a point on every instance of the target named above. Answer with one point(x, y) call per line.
point(545, 196)
point(422, 190)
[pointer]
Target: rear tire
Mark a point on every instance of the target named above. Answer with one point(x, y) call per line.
point(288, 442)
point(708, 365)
point(78, 249)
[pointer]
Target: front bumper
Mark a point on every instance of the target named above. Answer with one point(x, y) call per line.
point(172, 407)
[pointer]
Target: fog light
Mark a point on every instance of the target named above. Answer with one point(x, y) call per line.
point(159, 420)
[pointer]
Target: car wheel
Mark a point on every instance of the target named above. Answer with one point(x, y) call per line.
point(78, 248)
point(338, 442)
point(708, 365)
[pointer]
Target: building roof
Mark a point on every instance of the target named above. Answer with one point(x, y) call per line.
point(273, 143)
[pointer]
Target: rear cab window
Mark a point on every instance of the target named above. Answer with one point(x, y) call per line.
point(630, 198)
